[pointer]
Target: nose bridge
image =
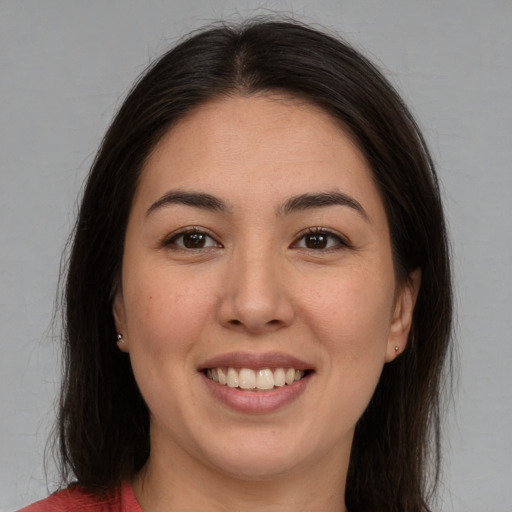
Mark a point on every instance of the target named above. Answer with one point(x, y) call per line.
point(256, 295)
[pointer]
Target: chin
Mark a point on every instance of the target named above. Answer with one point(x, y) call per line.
point(258, 469)
point(260, 461)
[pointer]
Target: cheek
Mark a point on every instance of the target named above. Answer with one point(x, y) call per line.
point(356, 328)
point(165, 320)
point(351, 312)
point(165, 313)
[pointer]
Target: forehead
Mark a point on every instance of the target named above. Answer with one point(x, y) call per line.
point(254, 147)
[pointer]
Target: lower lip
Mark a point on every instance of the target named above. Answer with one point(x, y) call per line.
point(256, 402)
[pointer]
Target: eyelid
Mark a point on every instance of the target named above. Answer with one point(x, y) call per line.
point(344, 242)
point(170, 240)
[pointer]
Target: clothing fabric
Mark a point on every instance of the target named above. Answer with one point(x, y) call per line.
point(77, 500)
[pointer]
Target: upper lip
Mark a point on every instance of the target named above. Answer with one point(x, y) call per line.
point(255, 361)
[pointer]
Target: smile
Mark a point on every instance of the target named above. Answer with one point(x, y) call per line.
point(247, 379)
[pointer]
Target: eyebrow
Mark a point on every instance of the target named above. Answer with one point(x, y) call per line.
point(301, 202)
point(195, 199)
point(321, 200)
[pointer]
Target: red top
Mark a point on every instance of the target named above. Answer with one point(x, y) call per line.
point(75, 499)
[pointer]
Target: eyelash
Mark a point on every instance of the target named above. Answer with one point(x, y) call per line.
point(341, 242)
point(172, 240)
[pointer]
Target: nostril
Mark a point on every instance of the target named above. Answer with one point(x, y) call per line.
point(270, 322)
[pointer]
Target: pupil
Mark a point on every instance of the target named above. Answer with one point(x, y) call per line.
point(193, 240)
point(316, 241)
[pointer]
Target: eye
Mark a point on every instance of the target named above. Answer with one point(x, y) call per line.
point(192, 239)
point(320, 239)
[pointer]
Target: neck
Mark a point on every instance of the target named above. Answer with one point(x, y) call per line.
point(183, 484)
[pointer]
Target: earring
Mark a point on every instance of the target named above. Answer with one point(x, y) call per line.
point(120, 338)
point(397, 348)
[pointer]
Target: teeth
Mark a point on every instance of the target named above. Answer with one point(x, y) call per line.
point(232, 378)
point(222, 376)
point(260, 380)
point(247, 379)
point(279, 377)
point(265, 379)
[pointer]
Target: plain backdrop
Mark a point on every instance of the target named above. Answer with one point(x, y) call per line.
point(65, 67)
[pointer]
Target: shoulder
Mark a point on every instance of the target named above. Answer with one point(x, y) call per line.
point(75, 499)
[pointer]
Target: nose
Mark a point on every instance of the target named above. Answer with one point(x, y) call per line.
point(255, 297)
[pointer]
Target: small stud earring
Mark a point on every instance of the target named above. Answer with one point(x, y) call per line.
point(120, 338)
point(397, 348)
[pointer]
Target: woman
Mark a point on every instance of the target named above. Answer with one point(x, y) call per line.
point(258, 300)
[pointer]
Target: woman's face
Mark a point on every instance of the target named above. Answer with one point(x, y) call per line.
point(257, 253)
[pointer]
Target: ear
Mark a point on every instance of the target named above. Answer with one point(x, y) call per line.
point(118, 312)
point(401, 321)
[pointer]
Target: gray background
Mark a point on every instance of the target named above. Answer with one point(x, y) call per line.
point(64, 67)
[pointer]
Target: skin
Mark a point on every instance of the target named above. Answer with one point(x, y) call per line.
point(257, 286)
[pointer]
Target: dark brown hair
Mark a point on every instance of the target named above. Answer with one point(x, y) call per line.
point(103, 425)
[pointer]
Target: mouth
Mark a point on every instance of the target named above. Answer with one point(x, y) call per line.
point(256, 383)
point(257, 380)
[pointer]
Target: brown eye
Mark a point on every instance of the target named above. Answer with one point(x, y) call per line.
point(193, 240)
point(320, 240)
point(316, 241)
